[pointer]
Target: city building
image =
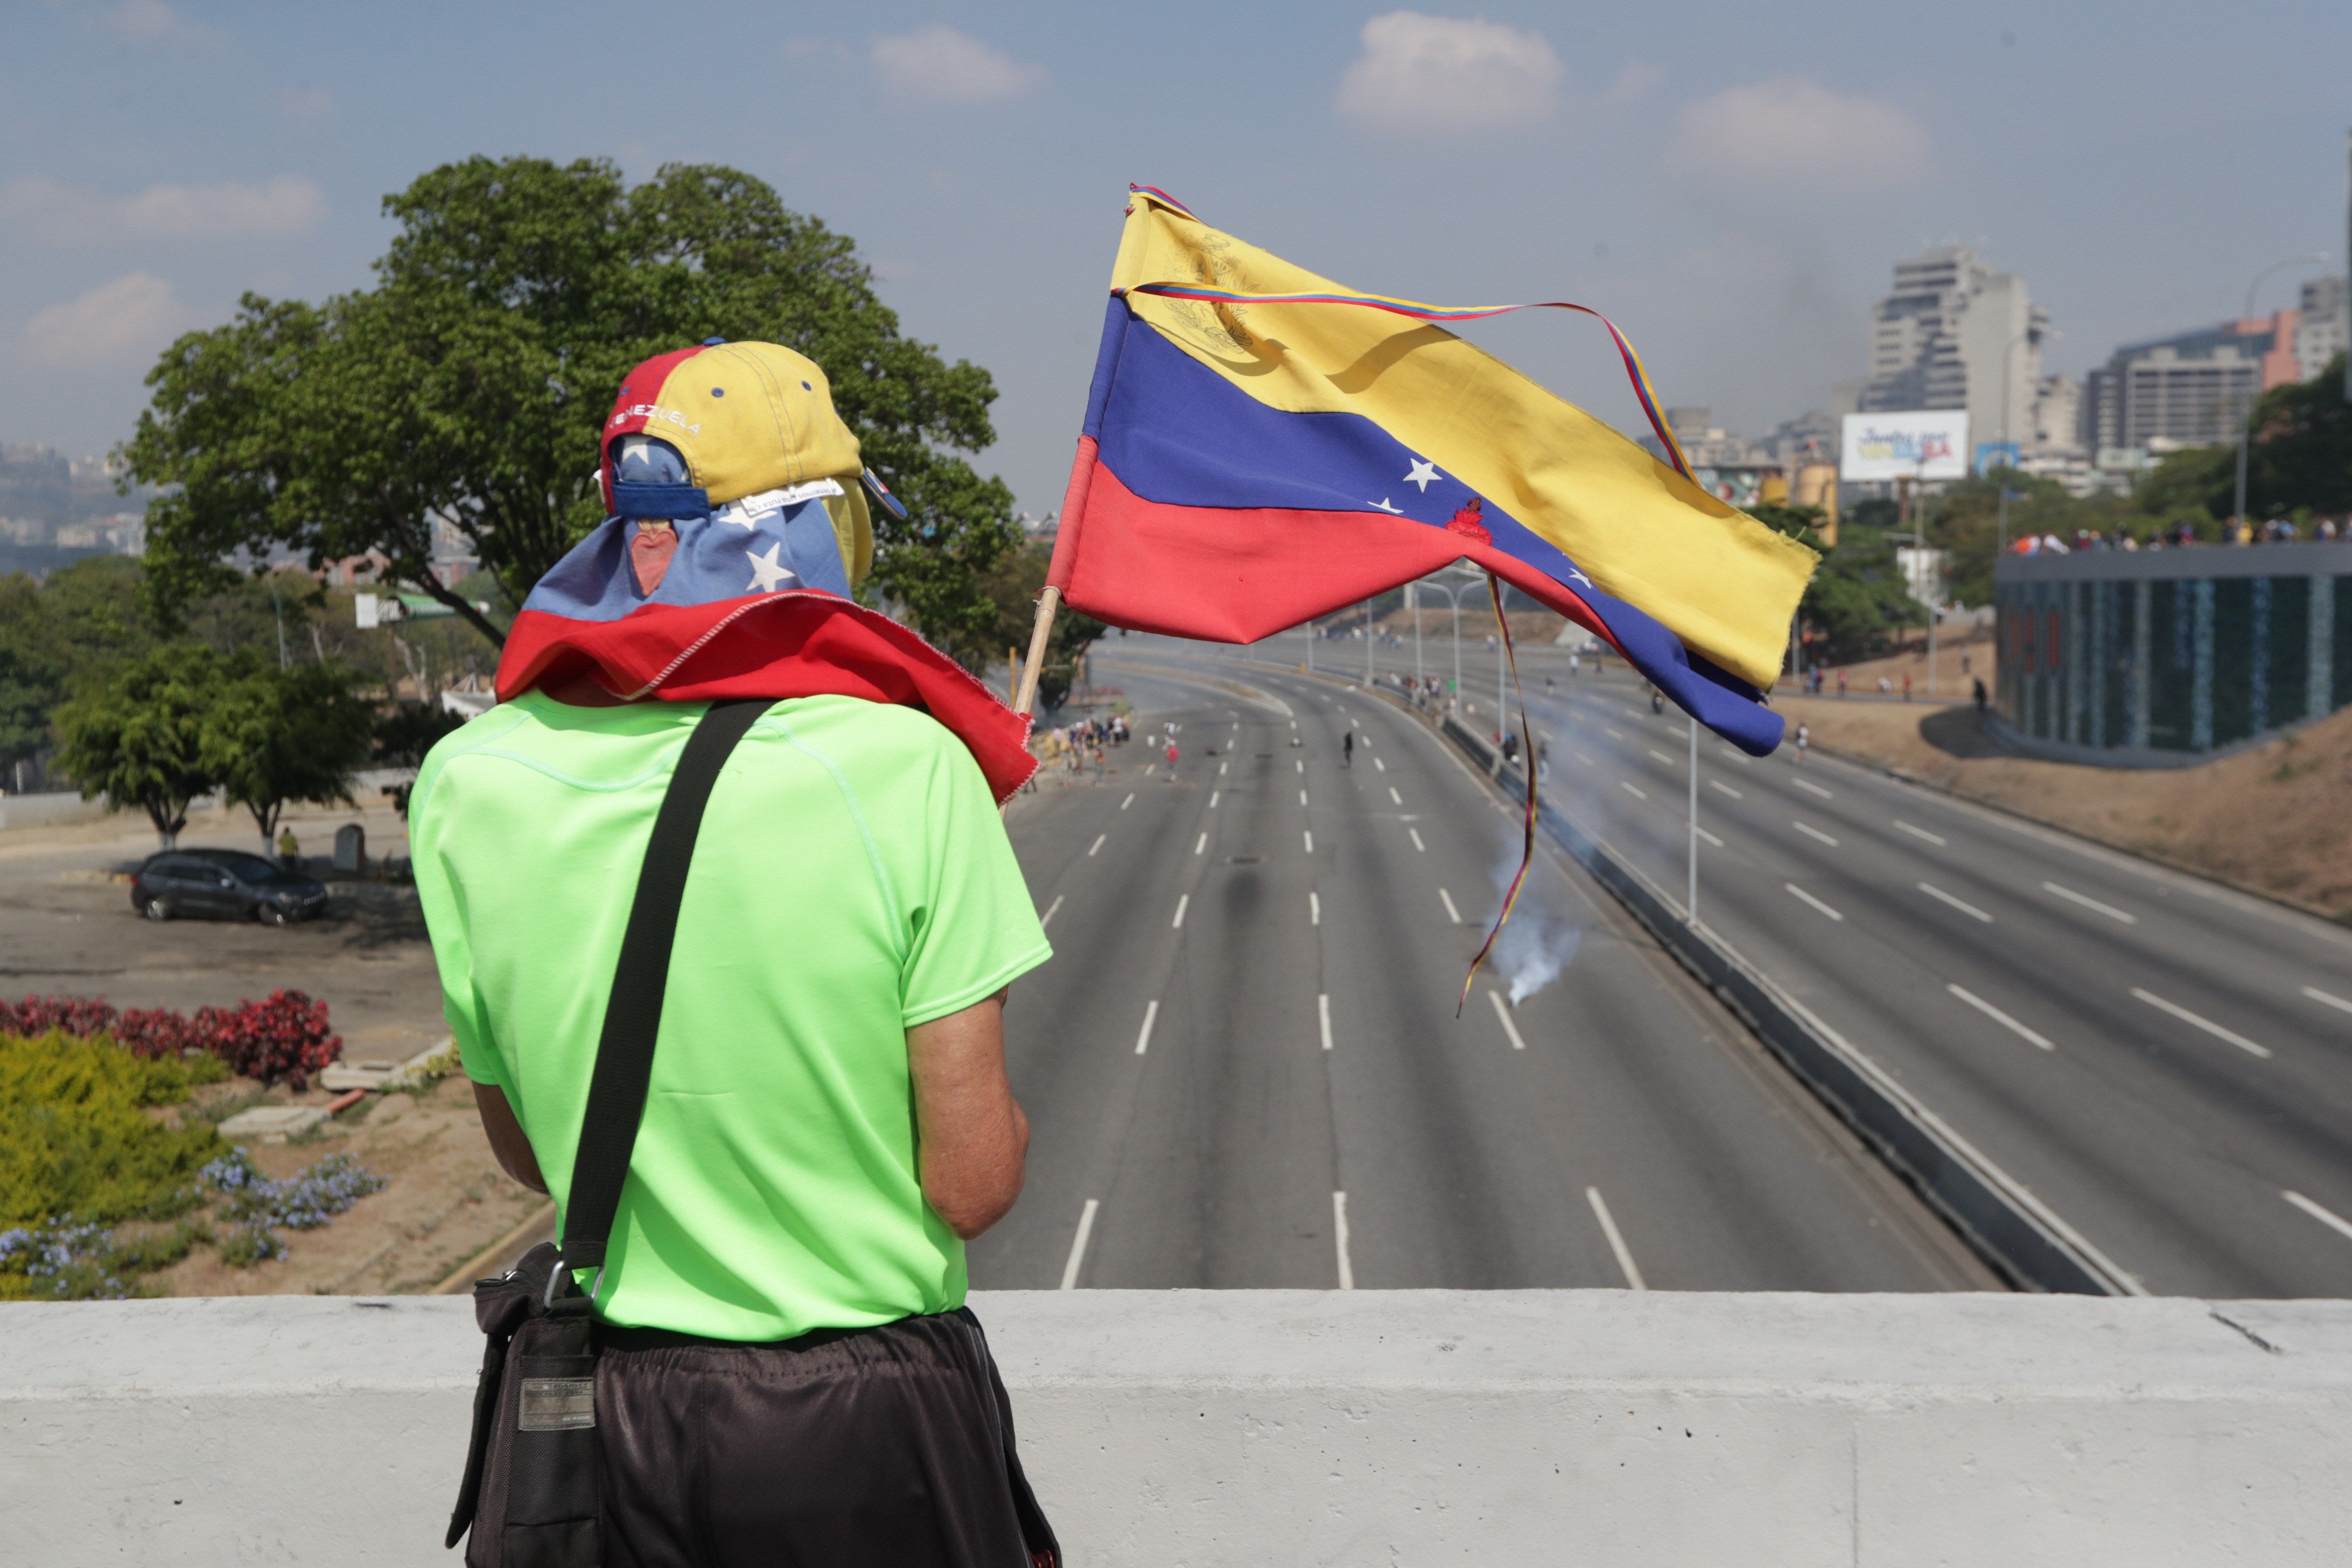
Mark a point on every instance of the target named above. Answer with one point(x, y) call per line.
point(2192, 389)
point(1955, 334)
point(2165, 656)
point(2057, 417)
point(2326, 328)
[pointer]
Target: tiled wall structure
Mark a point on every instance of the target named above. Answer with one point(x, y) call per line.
point(2173, 651)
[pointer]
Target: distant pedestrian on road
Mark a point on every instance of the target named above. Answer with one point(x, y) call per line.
point(1171, 762)
point(1841, 683)
point(1804, 743)
point(1348, 750)
point(1980, 695)
point(1099, 762)
point(1906, 685)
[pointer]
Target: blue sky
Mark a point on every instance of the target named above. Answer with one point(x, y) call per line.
point(1730, 183)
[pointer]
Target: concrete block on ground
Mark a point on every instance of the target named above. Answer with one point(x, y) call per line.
point(273, 1123)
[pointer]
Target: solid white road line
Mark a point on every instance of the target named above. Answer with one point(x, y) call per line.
point(1143, 1040)
point(1814, 833)
point(1308, 835)
point(2316, 995)
point(1451, 912)
point(1394, 796)
point(1220, 770)
point(1200, 844)
point(1377, 762)
point(1616, 1241)
point(1710, 838)
point(1314, 909)
point(1128, 802)
point(1149, 769)
point(1502, 1011)
point(1997, 1017)
point(1181, 900)
point(1047, 918)
point(1817, 789)
point(1302, 798)
point(1302, 765)
point(2335, 1222)
point(1212, 798)
point(1417, 844)
point(1323, 1017)
point(1662, 756)
point(2208, 1024)
point(1718, 783)
point(1812, 901)
point(1935, 838)
point(1099, 837)
point(1960, 904)
point(1339, 1231)
point(1629, 789)
point(2088, 903)
point(1079, 1246)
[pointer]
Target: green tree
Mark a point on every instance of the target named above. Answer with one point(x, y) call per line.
point(272, 736)
point(2299, 459)
point(470, 382)
point(1012, 585)
point(138, 739)
point(1858, 599)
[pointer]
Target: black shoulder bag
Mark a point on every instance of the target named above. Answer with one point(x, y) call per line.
point(529, 1490)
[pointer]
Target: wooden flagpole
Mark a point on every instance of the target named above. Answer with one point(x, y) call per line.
point(1048, 602)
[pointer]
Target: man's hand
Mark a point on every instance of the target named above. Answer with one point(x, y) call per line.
point(506, 1135)
point(972, 1143)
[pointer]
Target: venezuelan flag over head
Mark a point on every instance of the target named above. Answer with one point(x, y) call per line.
point(1263, 446)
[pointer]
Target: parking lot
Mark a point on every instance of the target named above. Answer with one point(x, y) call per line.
point(66, 928)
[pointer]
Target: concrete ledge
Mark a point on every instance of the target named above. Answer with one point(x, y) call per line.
point(1598, 1428)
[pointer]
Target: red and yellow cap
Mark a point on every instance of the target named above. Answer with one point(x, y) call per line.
point(745, 419)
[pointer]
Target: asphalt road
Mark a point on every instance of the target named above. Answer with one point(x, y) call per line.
point(2165, 1062)
point(1243, 1067)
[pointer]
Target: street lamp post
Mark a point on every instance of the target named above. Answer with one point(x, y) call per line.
point(1691, 907)
point(1368, 644)
point(2246, 419)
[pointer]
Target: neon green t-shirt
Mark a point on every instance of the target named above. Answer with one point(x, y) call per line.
point(851, 880)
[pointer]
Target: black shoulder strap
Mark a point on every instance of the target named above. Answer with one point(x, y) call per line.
point(625, 1052)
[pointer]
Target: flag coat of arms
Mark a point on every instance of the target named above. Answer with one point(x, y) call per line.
point(1262, 447)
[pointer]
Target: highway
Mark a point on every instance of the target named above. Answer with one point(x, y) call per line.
point(1243, 1067)
point(2165, 1062)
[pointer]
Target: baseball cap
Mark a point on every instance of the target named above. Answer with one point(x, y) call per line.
point(747, 425)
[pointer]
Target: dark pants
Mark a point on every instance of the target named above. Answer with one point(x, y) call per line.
point(867, 1447)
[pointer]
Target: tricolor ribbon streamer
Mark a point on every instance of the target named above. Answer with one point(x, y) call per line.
point(1527, 766)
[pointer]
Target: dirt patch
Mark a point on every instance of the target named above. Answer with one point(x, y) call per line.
point(2272, 819)
point(443, 1200)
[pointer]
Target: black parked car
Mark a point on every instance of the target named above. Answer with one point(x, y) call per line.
point(224, 883)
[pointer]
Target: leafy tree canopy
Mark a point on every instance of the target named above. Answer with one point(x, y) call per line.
point(138, 739)
point(272, 735)
point(470, 382)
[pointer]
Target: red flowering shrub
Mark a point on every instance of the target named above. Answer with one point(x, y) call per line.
point(284, 1036)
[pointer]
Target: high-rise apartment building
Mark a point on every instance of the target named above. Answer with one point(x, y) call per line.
point(1955, 334)
point(2192, 389)
point(2325, 329)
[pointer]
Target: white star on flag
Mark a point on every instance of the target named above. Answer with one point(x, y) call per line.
point(1422, 474)
point(766, 571)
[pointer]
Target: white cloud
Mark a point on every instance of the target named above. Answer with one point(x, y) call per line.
point(49, 210)
point(1791, 127)
point(944, 66)
point(149, 22)
point(1423, 73)
point(130, 318)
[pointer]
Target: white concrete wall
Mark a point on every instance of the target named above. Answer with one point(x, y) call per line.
point(1258, 1427)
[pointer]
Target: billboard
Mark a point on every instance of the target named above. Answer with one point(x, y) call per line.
point(1925, 444)
point(1991, 455)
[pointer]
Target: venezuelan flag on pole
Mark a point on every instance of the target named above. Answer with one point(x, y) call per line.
point(1262, 447)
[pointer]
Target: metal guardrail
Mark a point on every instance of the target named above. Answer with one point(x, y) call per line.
point(2005, 1224)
